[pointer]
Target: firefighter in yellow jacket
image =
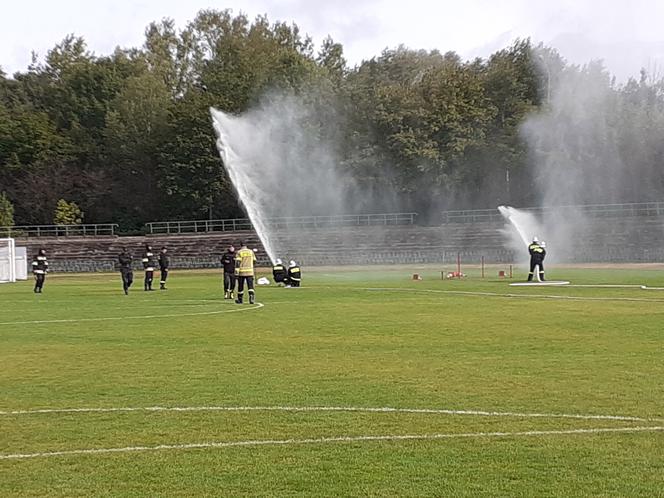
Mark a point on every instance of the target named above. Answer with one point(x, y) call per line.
point(244, 271)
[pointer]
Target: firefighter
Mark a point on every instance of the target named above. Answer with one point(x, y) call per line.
point(294, 274)
point(537, 254)
point(126, 271)
point(39, 269)
point(279, 272)
point(164, 263)
point(149, 265)
point(228, 263)
point(244, 270)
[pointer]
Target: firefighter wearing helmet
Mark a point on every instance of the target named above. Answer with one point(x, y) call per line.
point(537, 253)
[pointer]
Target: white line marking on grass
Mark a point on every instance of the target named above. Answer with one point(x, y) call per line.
point(356, 409)
point(167, 301)
point(607, 286)
point(136, 317)
point(323, 440)
point(510, 295)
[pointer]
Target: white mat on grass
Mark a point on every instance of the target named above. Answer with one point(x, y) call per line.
point(536, 284)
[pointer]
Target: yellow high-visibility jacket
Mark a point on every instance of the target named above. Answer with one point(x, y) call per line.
point(244, 262)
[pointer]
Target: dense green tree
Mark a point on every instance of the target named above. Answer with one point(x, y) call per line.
point(423, 113)
point(191, 175)
point(497, 172)
point(128, 135)
point(135, 130)
point(67, 213)
point(6, 211)
point(236, 62)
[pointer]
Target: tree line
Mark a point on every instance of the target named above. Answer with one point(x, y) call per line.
point(127, 137)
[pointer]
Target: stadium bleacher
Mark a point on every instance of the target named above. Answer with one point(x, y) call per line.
point(626, 239)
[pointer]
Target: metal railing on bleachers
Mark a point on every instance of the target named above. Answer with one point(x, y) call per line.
point(239, 224)
point(87, 230)
point(591, 210)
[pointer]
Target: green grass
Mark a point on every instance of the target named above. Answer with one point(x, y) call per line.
point(334, 342)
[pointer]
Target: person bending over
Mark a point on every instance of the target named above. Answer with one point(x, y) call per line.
point(294, 274)
point(279, 272)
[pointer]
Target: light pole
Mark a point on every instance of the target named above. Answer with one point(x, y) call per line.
point(548, 77)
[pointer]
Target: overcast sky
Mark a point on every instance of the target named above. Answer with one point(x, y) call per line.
point(627, 35)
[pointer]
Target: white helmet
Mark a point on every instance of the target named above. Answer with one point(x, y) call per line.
point(292, 263)
point(542, 244)
point(535, 239)
point(278, 261)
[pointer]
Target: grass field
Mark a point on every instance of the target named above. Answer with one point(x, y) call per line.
point(479, 373)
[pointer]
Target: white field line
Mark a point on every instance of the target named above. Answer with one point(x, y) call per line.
point(356, 409)
point(511, 295)
point(323, 440)
point(144, 305)
point(608, 286)
point(168, 302)
point(136, 317)
point(142, 302)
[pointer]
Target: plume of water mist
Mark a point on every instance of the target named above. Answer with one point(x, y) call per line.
point(281, 160)
point(574, 142)
point(584, 151)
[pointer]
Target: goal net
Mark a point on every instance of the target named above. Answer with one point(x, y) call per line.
point(13, 261)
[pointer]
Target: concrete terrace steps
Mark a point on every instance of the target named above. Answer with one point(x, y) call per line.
point(607, 240)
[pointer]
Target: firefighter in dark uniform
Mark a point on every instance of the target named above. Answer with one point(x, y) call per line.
point(279, 272)
point(126, 271)
point(39, 269)
point(537, 253)
point(149, 265)
point(294, 274)
point(228, 263)
point(244, 270)
point(164, 263)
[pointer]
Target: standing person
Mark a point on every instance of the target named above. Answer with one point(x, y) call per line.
point(228, 262)
point(244, 270)
point(279, 272)
point(39, 269)
point(164, 263)
point(294, 274)
point(126, 271)
point(149, 266)
point(537, 253)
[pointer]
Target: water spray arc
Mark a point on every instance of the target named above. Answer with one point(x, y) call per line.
point(516, 219)
point(520, 229)
point(241, 176)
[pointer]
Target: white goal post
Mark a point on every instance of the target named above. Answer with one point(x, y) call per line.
point(7, 260)
point(13, 261)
